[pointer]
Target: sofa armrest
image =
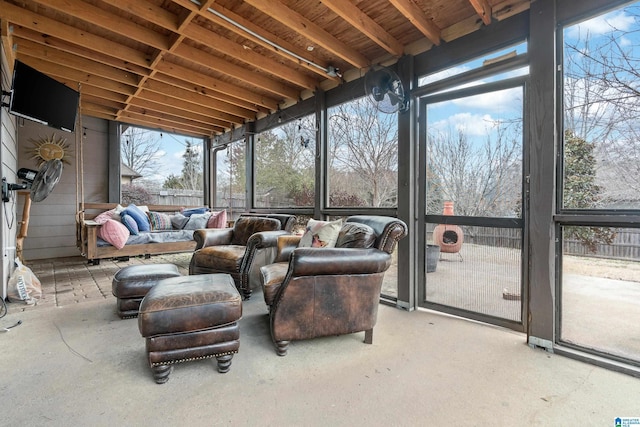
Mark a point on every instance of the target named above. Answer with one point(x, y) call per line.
point(212, 237)
point(334, 261)
point(286, 245)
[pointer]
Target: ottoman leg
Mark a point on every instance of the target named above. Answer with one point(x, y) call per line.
point(161, 373)
point(224, 363)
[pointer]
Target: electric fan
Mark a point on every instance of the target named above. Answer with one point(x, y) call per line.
point(40, 182)
point(385, 90)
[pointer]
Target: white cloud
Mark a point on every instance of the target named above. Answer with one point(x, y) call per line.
point(614, 21)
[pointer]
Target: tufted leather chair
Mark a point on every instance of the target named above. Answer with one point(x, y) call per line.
point(240, 251)
point(314, 292)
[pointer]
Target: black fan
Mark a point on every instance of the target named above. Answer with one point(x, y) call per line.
point(385, 90)
point(40, 182)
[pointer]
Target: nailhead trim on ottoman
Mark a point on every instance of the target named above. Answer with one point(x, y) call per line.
point(130, 284)
point(189, 318)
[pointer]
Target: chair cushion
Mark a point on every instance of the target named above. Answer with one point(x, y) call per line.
point(245, 227)
point(189, 303)
point(220, 258)
point(355, 235)
point(272, 277)
point(320, 234)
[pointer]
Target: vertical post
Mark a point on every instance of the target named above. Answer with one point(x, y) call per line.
point(407, 179)
point(543, 105)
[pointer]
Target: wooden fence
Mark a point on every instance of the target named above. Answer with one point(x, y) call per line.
point(625, 245)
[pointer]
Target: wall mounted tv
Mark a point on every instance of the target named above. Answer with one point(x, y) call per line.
point(38, 97)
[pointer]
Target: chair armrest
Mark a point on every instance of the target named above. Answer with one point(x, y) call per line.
point(286, 245)
point(265, 239)
point(333, 261)
point(212, 237)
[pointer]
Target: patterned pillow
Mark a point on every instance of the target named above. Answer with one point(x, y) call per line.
point(320, 234)
point(159, 221)
point(217, 220)
point(130, 223)
point(197, 221)
point(114, 232)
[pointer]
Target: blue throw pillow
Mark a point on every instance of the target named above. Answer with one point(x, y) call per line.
point(191, 211)
point(130, 223)
point(140, 217)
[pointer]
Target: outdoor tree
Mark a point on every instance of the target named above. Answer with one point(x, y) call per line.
point(285, 164)
point(581, 190)
point(602, 99)
point(231, 174)
point(483, 177)
point(140, 150)
point(363, 153)
point(191, 178)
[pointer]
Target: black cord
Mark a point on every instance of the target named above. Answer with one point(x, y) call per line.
point(3, 308)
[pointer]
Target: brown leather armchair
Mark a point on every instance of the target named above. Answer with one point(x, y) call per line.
point(240, 251)
point(314, 292)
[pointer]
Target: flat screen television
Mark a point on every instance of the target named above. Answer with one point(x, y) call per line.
point(38, 97)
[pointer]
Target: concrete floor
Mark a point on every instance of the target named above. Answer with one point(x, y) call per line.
point(72, 361)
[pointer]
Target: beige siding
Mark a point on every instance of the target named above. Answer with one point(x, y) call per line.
point(52, 230)
point(8, 162)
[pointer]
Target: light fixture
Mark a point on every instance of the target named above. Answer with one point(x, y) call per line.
point(330, 70)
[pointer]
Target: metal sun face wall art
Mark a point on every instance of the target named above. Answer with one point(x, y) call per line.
point(49, 148)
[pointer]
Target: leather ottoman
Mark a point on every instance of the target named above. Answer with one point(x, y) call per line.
point(189, 318)
point(130, 284)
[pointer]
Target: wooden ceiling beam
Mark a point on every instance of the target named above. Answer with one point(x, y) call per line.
point(219, 96)
point(208, 82)
point(87, 66)
point(212, 13)
point(180, 104)
point(227, 111)
point(57, 71)
point(71, 34)
point(238, 52)
point(290, 18)
point(7, 43)
point(163, 119)
point(108, 21)
point(81, 51)
point(419, 20)
point(139, 120)
point(189, 115)
point(483, 9)
point(149, 12)
point(252, 78)
point(361, 21)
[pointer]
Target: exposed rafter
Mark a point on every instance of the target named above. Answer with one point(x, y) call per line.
point(203, 67)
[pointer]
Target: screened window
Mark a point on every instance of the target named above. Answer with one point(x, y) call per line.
point(285, 165)
point(602, 112)
point(363, 156)
point(231, 178)
point(474, 154)
point(160, 168)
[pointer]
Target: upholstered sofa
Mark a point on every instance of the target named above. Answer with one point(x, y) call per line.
point(314, 292)
point(241, 250)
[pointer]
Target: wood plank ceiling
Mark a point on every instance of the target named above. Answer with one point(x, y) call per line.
point(202, 67)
